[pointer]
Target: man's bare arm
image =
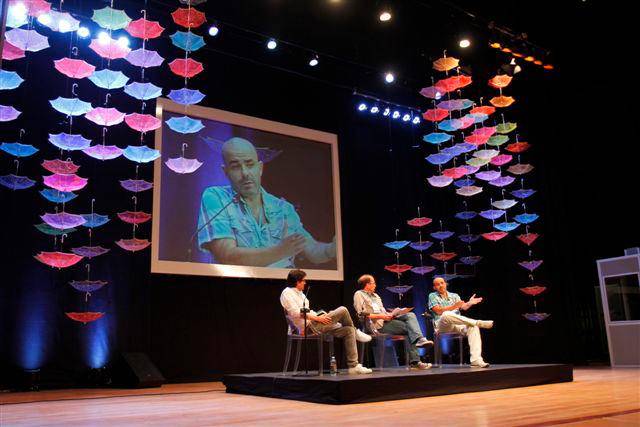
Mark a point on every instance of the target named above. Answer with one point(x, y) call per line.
point(439, 309)
point(226, 251)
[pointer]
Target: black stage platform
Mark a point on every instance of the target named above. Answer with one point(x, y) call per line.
point(395, 383)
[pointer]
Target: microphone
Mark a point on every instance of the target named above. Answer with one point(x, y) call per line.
point(306, 299)
point(235, 199)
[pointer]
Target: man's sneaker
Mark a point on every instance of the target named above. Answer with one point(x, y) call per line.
point(422, 341)
point(359, 369)
point(421, 366)
point(479, 364)
point(485, 324)
point(362, 337)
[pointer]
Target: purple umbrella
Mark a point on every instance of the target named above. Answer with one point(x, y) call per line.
point(531, 265)
point(16, 182)
point(440, 180)
point(70, 142)
point(423, 269)
point(471, 260)
point(136, 185)
point(144, 58)
point(489, 175)
point(503, 181)
point(90, 251)
point(63, 220)
point(421, 246)
point(536, 317)
point(8, 113)
point(492, 214)
point(29, 40)
point(103, 152)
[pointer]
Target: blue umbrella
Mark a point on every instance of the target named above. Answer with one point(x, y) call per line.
point(441, 235)
point(94, 220)
point(189, 42)
point(450, 125)
point(16, 182)
point(57, 196)
point(522, 194)
point(143, 91)
point(478, 117)
point(421, 246)
point(439, 158)
point(17, 149)
point(466, 215)
point(141, 154)
point(397, 245)
point(507, 226)
point(71, 106)
point(108, 79)
point(66, 141)
point(469, 238)
point(492, 214)
point(186, 96)
point(526, 218)
point(466, 182)
point(465, 147)
point(470, 260)
point(9, 80)
point(185, 124)
point(437, 137)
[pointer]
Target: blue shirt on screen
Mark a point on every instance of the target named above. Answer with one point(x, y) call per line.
point(436, 299)
point(238, 223)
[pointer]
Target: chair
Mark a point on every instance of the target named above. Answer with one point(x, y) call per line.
point(293, 335)
point(366, 326)
point(438, 337)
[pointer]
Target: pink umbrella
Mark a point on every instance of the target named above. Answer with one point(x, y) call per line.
point(58, 259)
point(60, 166)
point(74, 68)
point(183, 165)
point(142, 122)
point(137, 217)
point(33, 7)
point(109, 48)
point(65, 182)
point(133, 245)
point(103, 152)
point(455, 173)
point(419, 222)
point(501, 159)
point(105, 116)
point(495, 235)
point(10, 52)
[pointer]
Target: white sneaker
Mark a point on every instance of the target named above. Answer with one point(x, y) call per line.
point(485, 324)
point(362, 337)
point(479, 364)
point(422, 341)
point(421, 366)
point(359, 369)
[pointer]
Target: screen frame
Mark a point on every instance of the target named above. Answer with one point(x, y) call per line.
point(238, 271)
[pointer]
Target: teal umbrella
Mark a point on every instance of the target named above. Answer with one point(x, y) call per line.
point(108, 79)
point(111, 19)
point(187, 41)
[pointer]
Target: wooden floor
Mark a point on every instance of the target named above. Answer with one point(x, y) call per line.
point(597, 397)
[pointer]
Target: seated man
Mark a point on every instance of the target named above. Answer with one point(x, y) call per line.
point(367, 302)
point(446, 307)
point(337, 322)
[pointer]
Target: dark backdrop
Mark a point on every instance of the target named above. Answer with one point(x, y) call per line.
point(195, 328)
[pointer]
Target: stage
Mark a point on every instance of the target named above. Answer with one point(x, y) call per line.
point(395, 383)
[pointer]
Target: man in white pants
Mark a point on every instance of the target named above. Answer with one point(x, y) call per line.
point(446, 307)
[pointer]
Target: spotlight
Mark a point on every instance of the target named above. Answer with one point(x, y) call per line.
point(18, 11)
point(416, 120)
point(517, 69)
point(529, 58)
point(44, 19)
point(64, 26)
point(272, 44)
point(386, 112)
point(123, 41)
point(83, 32)
point(103, 38)
point(496, 45)
point(362, 107)
point(406, 118)
point(464, 43)
point(513, 61)
point(385, 16)
point(375, 109)
point(389, 77)
point(214, 30)
point(395, 114)
point(314, 61)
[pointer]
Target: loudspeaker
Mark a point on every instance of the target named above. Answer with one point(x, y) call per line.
point(136, 370)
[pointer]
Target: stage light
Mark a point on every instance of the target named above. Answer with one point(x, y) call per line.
point(517, 69)
point(513, 61)
point(375, 109)
point(529, 58)
point(416, 120)
point(123, 41)
point(64, 26)
point(495, 45)
point(214, 30)
point(103, 38)
point(395, 114)
point(389, 77)
point(548, 67)
point(18, 11)
point(272, 44)
point(83, 32)
point(385, 16)
point(406, 118)
point(362, 107)
point(44, 19)
point(314, 61)
point(386, 112)
point(464, 43)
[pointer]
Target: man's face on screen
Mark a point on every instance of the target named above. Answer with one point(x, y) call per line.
point(242, 167)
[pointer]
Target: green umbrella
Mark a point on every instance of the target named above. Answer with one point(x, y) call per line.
point(506, 127)
point(110, 19)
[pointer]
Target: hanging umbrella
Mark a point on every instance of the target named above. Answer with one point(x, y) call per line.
point(103, 152)
point(502, 101)
point(468, 191)
point(87, 286)
point(466, 215)
point(188, 17)
point(11, 52)
point(90, 251)
point(533, 290)
point(183, 165)
point(187, 41)
point(471, 260)
point(94, 220)
point(142, 122)
point(440, 180)
point(27, 40)
point(105, 116)
point(520, 169)
point(478, 117)
point(502, 159)
point(442, 235)
point(111, 19)
point(185, 124)
point(536, 317)
point(61, 22)
point(466, 122)
point(439, 158)
point(467, 182)
point(464, 147)
point(433, 92)
point(9, 80)
point(454, 83)
point(502, 181)
point(507, 226)
point(444, 256)
point(526, 218)
point(483, 109)
point(57, 196)
point(528, 238)
point(85, 316)
point(18, 150)
point(192, 2)
point(141, 154)
point(486, 154)
point(455, 104)
point(143, 91)
point(399, 289)
point(65, 182)
point(495, 235)
point(398, 268)
point(504, 203)
point(445, 64)
point(133, 245)
point(492, 214)
point(421, 246)
point(419, 222)
point(136, 185)
point(186, 67)
point(487, 131)
point(500, 81)
point(435, 114)
point(137, 217)
point(488, 175)
point(144, 29)
point(16, 182)
point(69, 142)
point(397, 245)
point(186, 96)
point(58, 259)
point(16, 20)
point(497, 140)
point(450, 125)
point(49, 230)
point(109, 48)
point(455, 173)
point(523, 194)
point(144, 58)
point(74, 68)
point(476, 140)
point(507, 127)
point(477, 162)
point(437, 137)
point(70, 106)
point(63, 220)
point(109, 79)
point(518, 147)
point(422, 270)
point(468, 238)
point(33, 7)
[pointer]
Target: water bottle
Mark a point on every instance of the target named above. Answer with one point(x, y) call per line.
point(333, 366)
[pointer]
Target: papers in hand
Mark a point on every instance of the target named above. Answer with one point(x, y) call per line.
point(400, 311)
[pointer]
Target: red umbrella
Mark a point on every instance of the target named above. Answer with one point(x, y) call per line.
point(533, 290)
point(476, 139)
point(495, 235)
point(105, 116)
point(518, 147)
point(142, 122)
point(454, 83)
point(133, 245)
point(528, 238)
point(137, 217)
point(186, 67)
point(419, 222)
point(483, 109)
point(188, 17)
point(144, 29)
point(58, 259)
point(500, 81)
point(85, 316)
point(444, 256)
point(435, 114)
point(10, 52)
point(398, 268)
point(109, 49)
point(74, 68)
point(60, 166)
point(455, 173)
